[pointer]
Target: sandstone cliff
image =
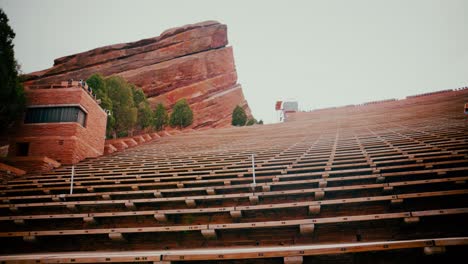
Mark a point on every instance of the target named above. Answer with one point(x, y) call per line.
point(191, 62)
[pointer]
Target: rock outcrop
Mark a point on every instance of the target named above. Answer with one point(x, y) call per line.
point(192, 62)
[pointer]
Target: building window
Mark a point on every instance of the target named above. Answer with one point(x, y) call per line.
point(55, 115)
point(22, 149)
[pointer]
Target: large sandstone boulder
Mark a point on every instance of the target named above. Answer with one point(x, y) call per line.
point(191, 62)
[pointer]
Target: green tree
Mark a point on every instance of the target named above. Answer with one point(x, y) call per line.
point(145, 114)
point(128, 105)
point(160, 117)
point(138, 95)
point(182, 115)
point(99, 87)
point(97, 83)
point(12, 99)
point(239, 118)
point(123, 108)
point(251, 121)
point(260, 122)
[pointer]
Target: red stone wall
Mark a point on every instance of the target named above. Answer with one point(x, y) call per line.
point(65, 142)
point(191, 62)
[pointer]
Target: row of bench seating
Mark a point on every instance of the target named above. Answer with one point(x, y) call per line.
point(164, 182)
point(313, 207)
point(318, 194)
point(306, 226)
point(289, 255)
point(272, 183)
point(329, 178)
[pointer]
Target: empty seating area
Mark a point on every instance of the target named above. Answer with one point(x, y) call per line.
point(334, 185)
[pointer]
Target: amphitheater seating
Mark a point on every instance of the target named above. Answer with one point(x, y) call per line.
point(334, 182)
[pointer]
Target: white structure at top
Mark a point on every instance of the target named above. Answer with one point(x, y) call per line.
point(284, 107)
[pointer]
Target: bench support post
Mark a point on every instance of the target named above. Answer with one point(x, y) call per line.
point(19, 222)
point(236, 214)
point(307, 229)
point(293, 260)
point(380, 179)
point(117, 237)
point(319, 195)
point(322, 184)
point(314, 209)
point(72, 207)
point(130, 205)
point(190, 203)
point(89, 220)
point(434, 250)
point(209, 233)
point(411, 220)
point(30, 239)
point(253, 199)
point(160, 217)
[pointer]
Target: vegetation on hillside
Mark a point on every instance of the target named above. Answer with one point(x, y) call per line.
point(160, 117)
point(12, 99)
point(129, 109)
point(182, 115)
point(239, 118)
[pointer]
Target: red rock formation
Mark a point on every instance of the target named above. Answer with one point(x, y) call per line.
point(189, 62)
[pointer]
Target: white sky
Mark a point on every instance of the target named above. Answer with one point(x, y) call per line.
point(321, 53)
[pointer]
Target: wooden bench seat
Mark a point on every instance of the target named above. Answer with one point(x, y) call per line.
point(439, 170)
point(31, 235)
point(60, 198)
point(271, 171)
point(239, 253)
point(313, 207)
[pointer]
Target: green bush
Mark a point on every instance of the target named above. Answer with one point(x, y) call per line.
point(239, 118)
point(98, 84)
point(145, 114)
point(128, 105)
point(182, 115)
point(160, 117)
point(251, 121)
point(123, 106)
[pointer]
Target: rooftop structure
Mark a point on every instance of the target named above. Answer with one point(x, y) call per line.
point(382, 182)
point(285, 108)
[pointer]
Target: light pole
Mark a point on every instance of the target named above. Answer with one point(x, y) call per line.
point(254, 183)
point(72, 176)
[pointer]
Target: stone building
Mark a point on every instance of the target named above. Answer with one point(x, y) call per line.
point(62, 122)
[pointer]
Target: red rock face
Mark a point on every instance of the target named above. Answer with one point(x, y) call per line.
point(189, 62)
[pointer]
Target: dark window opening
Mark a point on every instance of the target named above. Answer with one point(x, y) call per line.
point(55, 115)
point(22, 149)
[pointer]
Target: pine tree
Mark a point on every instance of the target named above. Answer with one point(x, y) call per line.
point(160, 117)
point(12, 99)
point(239, 118)
point(145, 114)
point(123, 107)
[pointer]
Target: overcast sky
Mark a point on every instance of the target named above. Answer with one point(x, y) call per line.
point(321, 53)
